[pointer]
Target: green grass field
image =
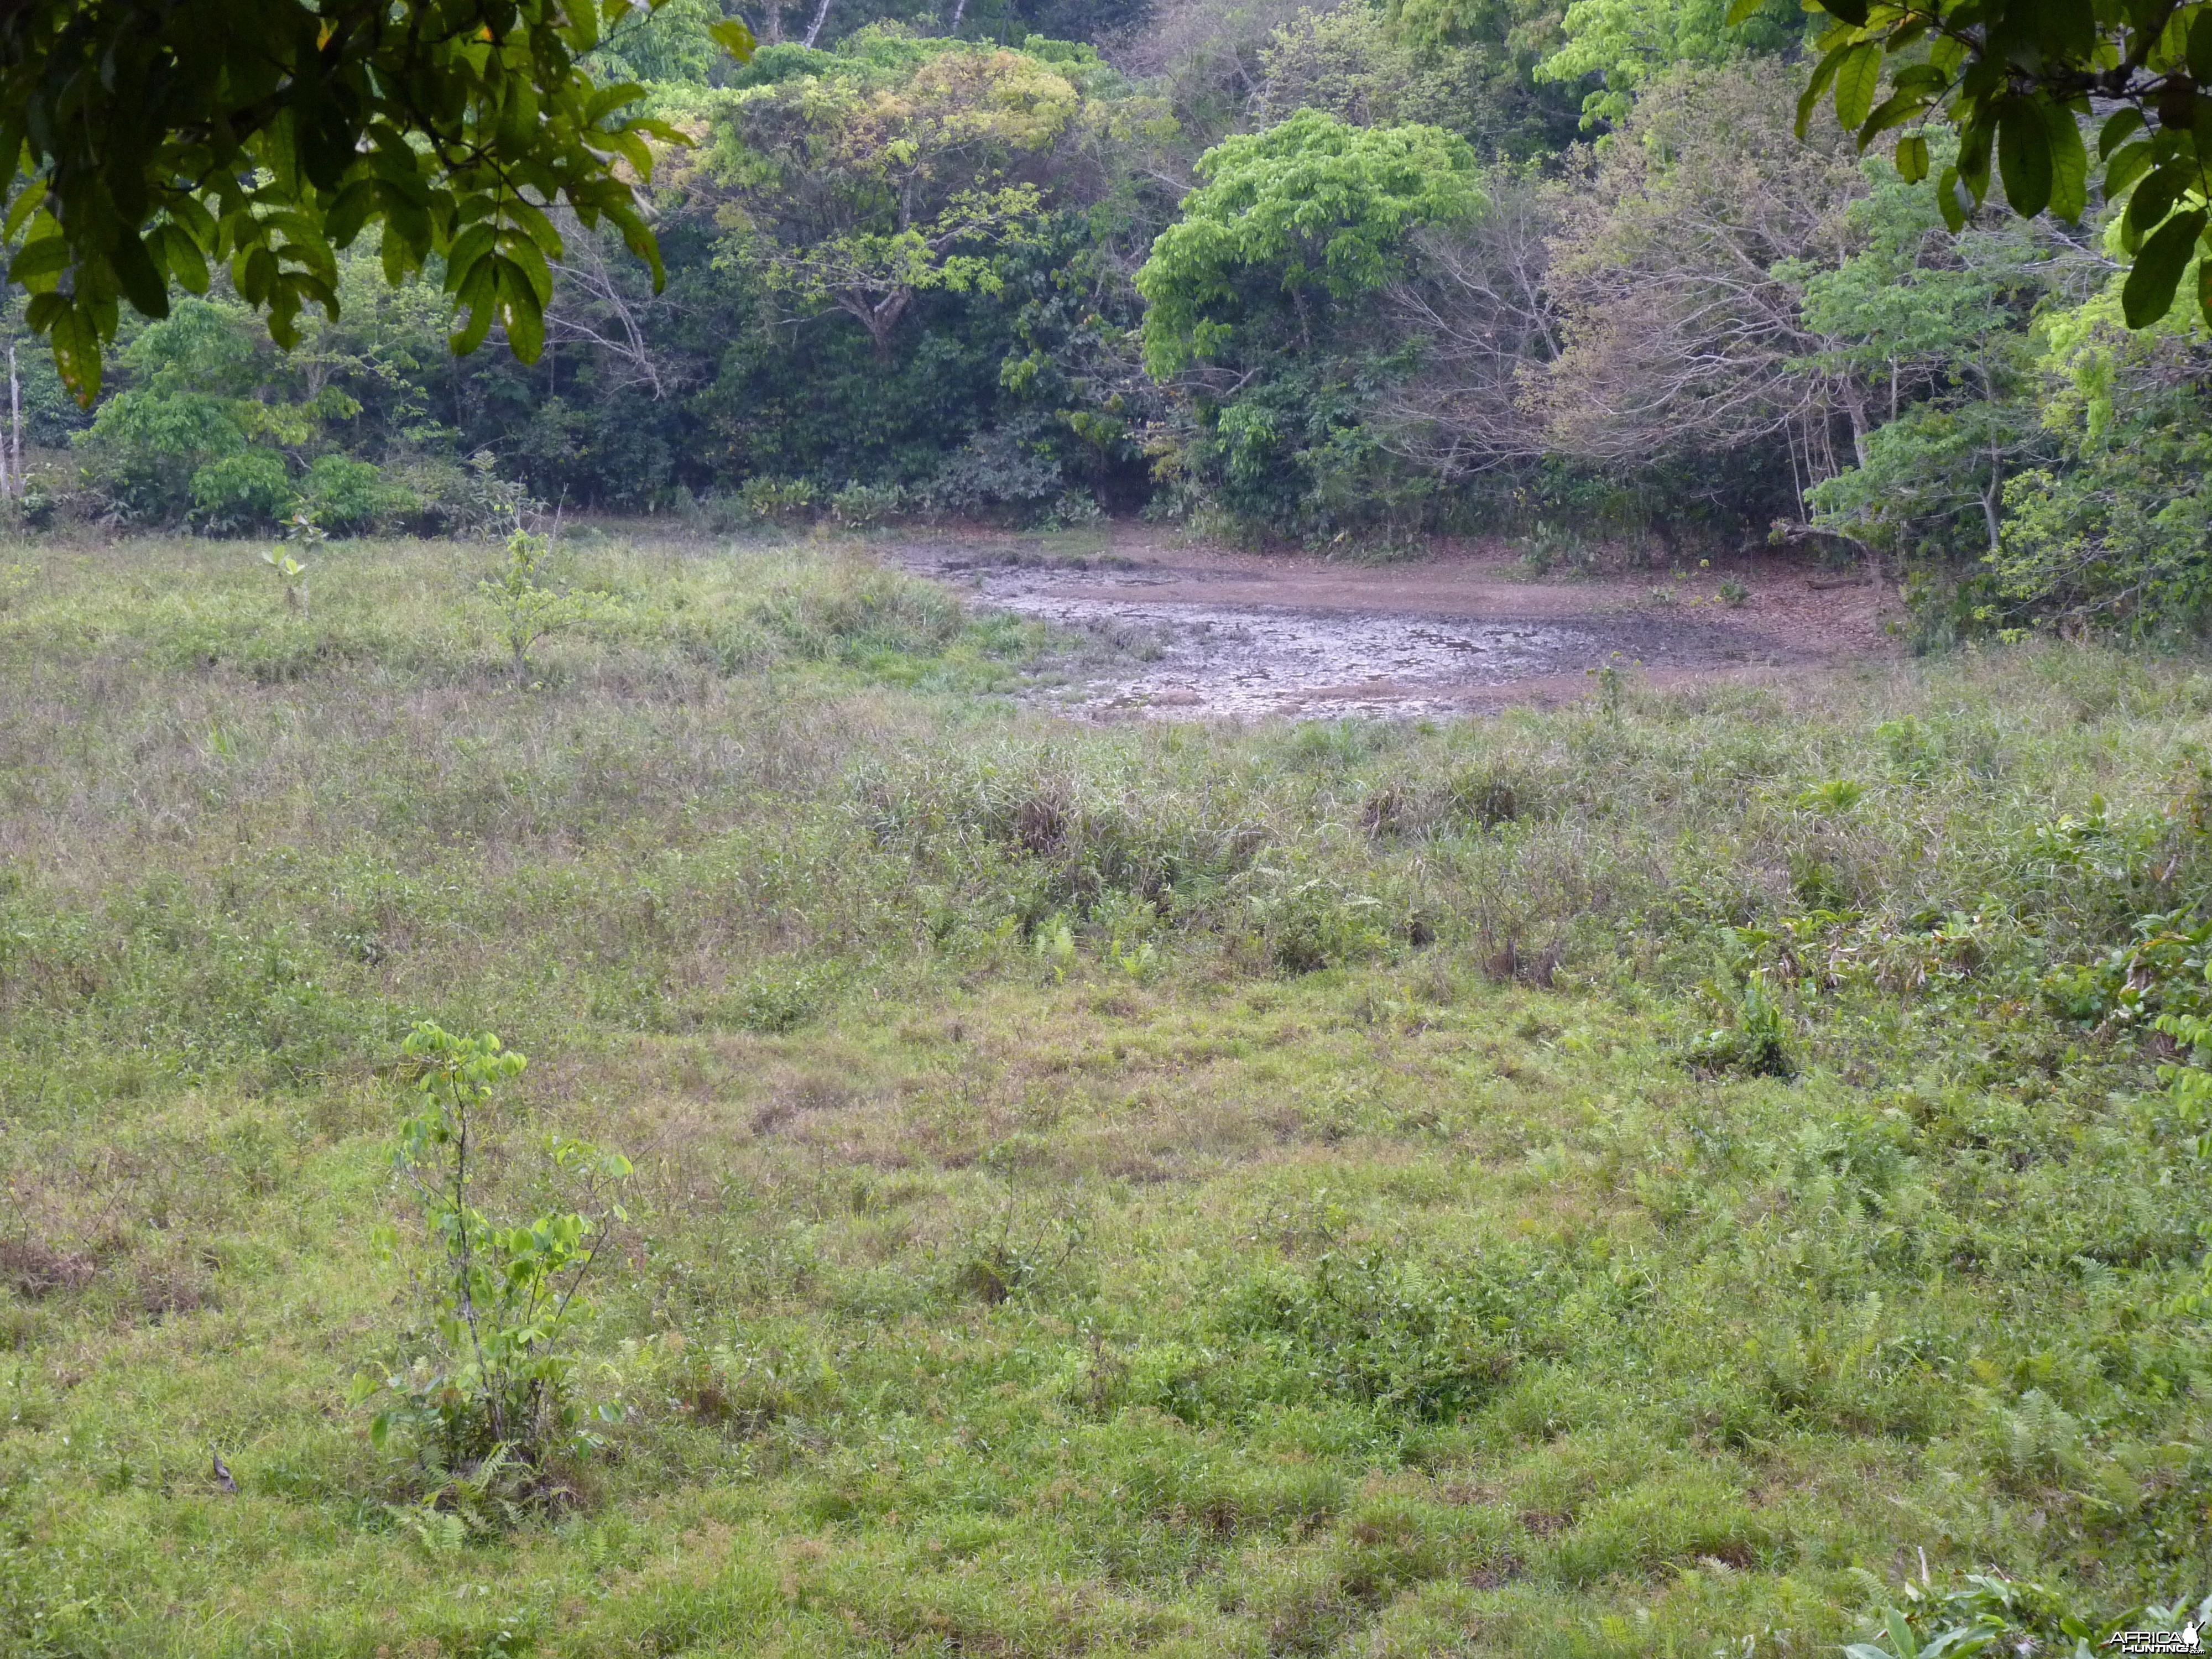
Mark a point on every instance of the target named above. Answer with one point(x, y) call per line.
point(1638, 1179)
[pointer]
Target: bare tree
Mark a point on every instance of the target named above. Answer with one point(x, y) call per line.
point(1209, 58)
point(1682, 323)
point(598, 304)
point(1477, 303)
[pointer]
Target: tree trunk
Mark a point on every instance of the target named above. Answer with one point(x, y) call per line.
point(813, 29)
point(1855, 406)
point(1992, 496)
point(12, 473)
point(878, 317)
point(960, 9)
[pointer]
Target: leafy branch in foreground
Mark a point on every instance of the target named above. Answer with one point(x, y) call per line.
point(2018, 78)
point(159, 137)
point(494, 1393)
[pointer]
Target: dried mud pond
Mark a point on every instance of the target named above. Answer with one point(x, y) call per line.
point(1205, 634)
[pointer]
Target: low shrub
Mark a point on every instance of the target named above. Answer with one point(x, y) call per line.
point(349, 496)
point(860, 505)
point(1424, 1340)
point(244, 491)
point(777, 501)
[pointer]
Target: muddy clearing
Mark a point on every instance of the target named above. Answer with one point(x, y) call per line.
point(1196, 633)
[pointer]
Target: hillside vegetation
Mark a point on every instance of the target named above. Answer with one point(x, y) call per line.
point(1661, 1177)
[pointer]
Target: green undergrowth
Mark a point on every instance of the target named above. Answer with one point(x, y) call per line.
point(1638, 1178)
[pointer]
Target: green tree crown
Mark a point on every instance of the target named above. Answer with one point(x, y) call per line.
point(1315, 204)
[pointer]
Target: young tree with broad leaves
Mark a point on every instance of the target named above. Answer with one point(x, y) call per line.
point(1262, 306)
point(1940, 322)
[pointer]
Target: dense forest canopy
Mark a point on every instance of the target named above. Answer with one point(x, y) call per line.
point(1337, 274)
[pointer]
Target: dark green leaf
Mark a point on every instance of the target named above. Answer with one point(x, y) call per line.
point(1918, 77)
point(1912, 157)
point(2024, 159)
point(1823, 73)
point(2148, 294)
point(518, 313)
point(1977, 138)
point(76, 340)
point(2154, 196)
point(2130, 165)
point(46, 257)
point(639, 240)
point(1858, 78)
point(182, 257)
point(350, 211)
point(2200, 49)
point(199, 223)
point(529, 264)
point(2066, 30)
point(1948, 189)
point(1894, 112)
point(2119, 128)
point(25, 204)
point(2069, 163)
point(536, 226)
point(470, 246)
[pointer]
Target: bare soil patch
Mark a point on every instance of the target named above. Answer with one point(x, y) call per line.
point(1201, 632)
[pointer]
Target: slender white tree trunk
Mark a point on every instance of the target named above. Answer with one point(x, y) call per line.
point(821, 17)
point(13, 473)
point(1854, 409)
point(959, 7)
point(1993, 500)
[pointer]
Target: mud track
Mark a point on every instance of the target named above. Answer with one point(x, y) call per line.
point(1198, 633)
